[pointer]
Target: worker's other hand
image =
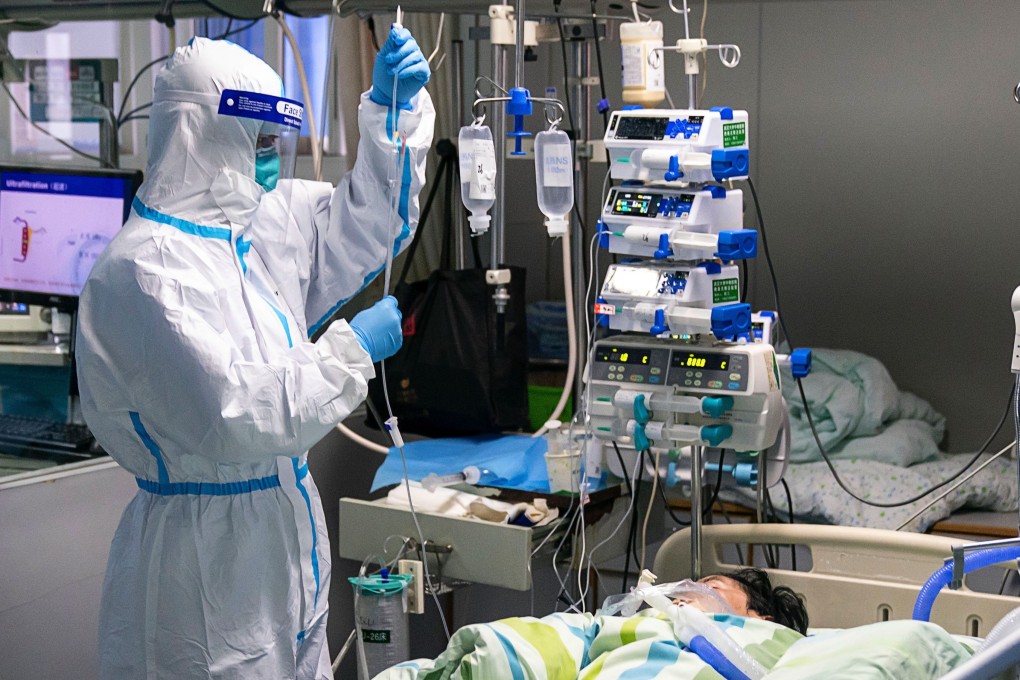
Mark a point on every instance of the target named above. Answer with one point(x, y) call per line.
point(400, 58)
point(379, 329)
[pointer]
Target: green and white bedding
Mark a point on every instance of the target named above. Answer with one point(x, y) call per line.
point(586, 647)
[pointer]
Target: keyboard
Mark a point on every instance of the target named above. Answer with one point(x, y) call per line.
point(21, 434)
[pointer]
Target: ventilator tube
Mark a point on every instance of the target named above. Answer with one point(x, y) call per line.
point(554, 179)
point(644, 78)
point(689, 622)
point(477, 175)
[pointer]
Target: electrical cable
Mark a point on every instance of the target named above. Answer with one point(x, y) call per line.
point(718, 483)
point(680, 521)
point(306, 92)
point(807, 410)
point(916, 497)
point(768, 260)
point(632, 534)
point(67, 145)
point(134, 81)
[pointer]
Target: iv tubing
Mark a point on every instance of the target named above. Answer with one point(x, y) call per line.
point(568, 295)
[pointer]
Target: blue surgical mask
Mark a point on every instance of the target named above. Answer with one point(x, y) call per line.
point(267, 167)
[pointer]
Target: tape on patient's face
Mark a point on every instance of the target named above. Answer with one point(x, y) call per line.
point(699, 596)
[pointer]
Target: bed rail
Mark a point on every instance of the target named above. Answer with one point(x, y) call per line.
point(857, 575)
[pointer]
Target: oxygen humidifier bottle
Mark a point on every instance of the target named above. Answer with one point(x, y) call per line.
point(554, 178)
point(477, 174)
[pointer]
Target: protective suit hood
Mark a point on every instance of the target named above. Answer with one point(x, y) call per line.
point(191, 146)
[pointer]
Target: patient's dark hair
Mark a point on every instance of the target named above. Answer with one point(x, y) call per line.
point(779, 603)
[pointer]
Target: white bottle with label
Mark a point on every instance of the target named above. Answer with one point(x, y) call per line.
point(554, 178)
point(477, 156)
point(644, 78)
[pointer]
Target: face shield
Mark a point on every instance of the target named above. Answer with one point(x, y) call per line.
point(276, 145)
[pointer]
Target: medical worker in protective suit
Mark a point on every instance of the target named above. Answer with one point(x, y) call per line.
point(196, 369)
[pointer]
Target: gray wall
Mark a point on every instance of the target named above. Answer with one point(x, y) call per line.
point(886, 151)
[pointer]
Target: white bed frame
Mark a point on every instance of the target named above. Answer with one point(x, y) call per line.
point(858, 575)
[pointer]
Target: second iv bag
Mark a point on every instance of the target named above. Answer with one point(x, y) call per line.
point(477, 174)
point(644, 80)
point(554, 178)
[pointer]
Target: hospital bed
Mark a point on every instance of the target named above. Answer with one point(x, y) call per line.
point(857, 575)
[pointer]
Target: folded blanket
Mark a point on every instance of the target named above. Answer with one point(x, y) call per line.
point(860, 413)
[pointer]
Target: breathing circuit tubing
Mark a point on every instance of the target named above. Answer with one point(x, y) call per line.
point(943, 575)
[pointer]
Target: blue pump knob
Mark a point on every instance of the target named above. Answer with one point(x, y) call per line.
point(664, 250)
point(641, 441)
point(746, 474)
point(673, 174)
point(659, 327)
point(671, 476)
point(641, 413)
point(714, 435)
point(716, 407)
point(800, 362)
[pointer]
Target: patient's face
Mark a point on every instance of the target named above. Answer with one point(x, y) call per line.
point(732, 592)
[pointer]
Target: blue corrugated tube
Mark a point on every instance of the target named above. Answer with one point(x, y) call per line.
point(714, 658)
point(940, 579)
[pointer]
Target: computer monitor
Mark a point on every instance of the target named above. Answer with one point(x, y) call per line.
point(54, 223)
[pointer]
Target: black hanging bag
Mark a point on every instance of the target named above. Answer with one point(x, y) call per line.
point(463, 368)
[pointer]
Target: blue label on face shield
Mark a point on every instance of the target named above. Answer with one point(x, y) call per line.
point(263, 107)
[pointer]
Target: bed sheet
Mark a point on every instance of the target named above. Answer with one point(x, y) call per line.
point(817, 498)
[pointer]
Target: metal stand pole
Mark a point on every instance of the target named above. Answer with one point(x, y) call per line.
point(697, 454)
point(496, 231)
point(457, 69)
point(109, 149)
point(582, 101)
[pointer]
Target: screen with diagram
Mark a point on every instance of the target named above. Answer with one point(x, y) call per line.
point(54, 226)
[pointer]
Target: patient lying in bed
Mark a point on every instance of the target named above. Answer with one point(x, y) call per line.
point(767, 622)
point(750, 593)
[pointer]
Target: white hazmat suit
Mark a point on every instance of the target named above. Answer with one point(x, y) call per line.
point(198, 377)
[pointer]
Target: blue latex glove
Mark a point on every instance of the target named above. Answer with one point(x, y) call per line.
point(379, 329)
point(400, 58)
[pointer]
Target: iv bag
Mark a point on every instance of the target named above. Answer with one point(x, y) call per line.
point(644, 79)
point(477, 174)
point(554, 178)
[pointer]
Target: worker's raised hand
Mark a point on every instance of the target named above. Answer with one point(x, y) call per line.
point(400, 59)
point(379, 329)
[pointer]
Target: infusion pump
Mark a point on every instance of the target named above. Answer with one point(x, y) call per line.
point(647, 392)
point(678, 145)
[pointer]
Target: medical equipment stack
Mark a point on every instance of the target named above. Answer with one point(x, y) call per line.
point(695, 367)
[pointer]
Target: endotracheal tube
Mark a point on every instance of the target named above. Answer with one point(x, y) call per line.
point(477, 174)
point(554, 179)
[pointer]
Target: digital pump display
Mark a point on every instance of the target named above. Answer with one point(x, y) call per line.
point(703, 361)
point(642, 128)
point(631, 203)
point(624, 355)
